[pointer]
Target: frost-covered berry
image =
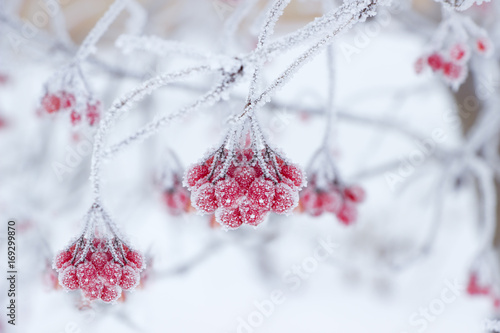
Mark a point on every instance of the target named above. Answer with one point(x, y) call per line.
point(459, 52)
point(111, 273)
point(474, 288)
point(130, 277)
point(261, 193)
point(67, 99)
point(86, 273)
point(196, 173)
point(93, 289)
point(293, 173)
point(99, 259)
point(244, 176)
point(93, 112)
point(252, 215)
point(229, 217)
point(110, 294)
point(483, 46)
point(227, 193)
point(204, 198)
point(62, 258)
point(68, 278)
point(355, 193)
point(51, 103)
point(435, 61)
point(75, 117)
point(347, 213)
point(452, 71)
point(330, 201)
point(285, 199)
point(136, 258)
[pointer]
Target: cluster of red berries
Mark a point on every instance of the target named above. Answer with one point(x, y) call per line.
point(100, 268)
point(474, 288)
point(65, 101)
point(176, 197)
point(333, 198)
point(242, 188)
point(452, 63)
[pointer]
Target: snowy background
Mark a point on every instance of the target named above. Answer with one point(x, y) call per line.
point(201, 278)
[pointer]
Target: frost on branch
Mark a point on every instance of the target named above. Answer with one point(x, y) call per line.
point(456, 40)
point(99, 262)
point(242, 182)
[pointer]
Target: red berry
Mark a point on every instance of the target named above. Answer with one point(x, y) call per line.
point(252, 215)
point(67, 99)
point(86, 273)
point(204, 198)
point(331, 201)
point(229, 217)
point(451, 70)
point(99, 259)
point(483, 45)
point(130, 278)
point(285, 200)
point(75, 117)
point(110, 294)
point(473, 288)
point(355, 193)
point(227, 192)
point(244, 176)
point(196, 173)
point(51, 103)
point(111, 273)
point(458, 52)
point(347, 213)
point(62, 258)
point(419, 65)
point(68, 278)
point(435, 61)
point(261, 193)
point(93, 289)
point(93, 111)
point(293, 173)
point(136, 258)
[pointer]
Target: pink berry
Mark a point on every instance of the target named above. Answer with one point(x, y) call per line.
point(331, 201)
point(227, 192)
point(451, 70)
point(293, 173)
point(435, 61)
point(473, 287)
point(51, 103)
point(244, 176)
point(261, 193)
point(67, 99)
point(93, 111)
point(110, 294)
point(204, 198)
point(419, 65)
point(136, 258)
point(111, 273)
point(483, 45)
point(458, 52)
point(347, 213)
point(99, 259)
point(62, 258)
point(285, 200)
point(196, 173)
point(93, 289)
point(130, 278)
point(355, 193)
point(68, 278)
point(86, 273)
point(252, 215)
point(75, 117)
point(229, 217)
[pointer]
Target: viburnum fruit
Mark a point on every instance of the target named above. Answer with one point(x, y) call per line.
point(330, 196)
point(99, 267)
point(169, 182)
point(451, 49)
point(243, 185)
